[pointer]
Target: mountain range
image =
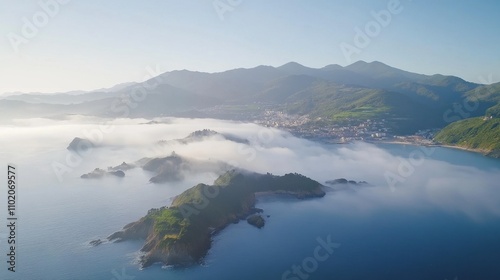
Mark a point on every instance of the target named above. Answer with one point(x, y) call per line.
point(406, 101)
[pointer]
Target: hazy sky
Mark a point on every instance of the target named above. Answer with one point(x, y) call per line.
point(91, 44)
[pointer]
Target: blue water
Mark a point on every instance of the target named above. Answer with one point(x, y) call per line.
point(449, 155)
point(57, 220)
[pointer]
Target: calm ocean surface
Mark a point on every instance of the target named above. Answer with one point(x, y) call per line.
point(57, 220)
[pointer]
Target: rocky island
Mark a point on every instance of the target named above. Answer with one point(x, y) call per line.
point(122, 167)
point(99, 173)
point(343, 181)
point(202, 135)
point(79, 144)
point(174, 167)
point(181, 234)
point(171, 168)
point(256, 221)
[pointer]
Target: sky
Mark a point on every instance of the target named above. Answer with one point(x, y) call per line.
point(64, 45)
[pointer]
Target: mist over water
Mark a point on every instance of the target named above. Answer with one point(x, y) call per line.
point(447, 189)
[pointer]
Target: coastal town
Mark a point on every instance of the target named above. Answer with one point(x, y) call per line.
point(348, 131)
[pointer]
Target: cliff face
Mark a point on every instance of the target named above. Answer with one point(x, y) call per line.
point(136, 230)
point(177, 253)
point(181, 234)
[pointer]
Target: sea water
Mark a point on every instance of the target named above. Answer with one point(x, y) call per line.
point(57, 219)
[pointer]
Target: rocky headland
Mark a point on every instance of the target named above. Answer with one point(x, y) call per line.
point(181, 234)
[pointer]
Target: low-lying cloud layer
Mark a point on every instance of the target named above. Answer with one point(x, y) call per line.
point(427, 182)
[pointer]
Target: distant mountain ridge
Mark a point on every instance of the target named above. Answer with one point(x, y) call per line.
point(70, 97)
point(360, 91)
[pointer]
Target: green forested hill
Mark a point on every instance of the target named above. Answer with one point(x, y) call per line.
point(181, 234)
point(475, 133)
point(332, 102)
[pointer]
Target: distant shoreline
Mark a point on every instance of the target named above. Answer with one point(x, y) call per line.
point(478, 151)
point(483, 152)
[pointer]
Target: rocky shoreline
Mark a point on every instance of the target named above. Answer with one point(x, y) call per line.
point(181, 235)
point(488, 153)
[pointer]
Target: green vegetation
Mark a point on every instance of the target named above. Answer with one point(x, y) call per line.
point(253, 182)
point(488, 93)
point(476, 133)
point(170, 224)
point(362, 113)
point(182, 232)
point(406, 101)
point(231, 196)
point(327, 102)
point(332, 102)
point(494, 111)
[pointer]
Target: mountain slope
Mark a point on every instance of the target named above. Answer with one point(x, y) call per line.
point(331, 102)
point(229, 85)
point(482, 134)
point(485, 93)
point(141, 102)
point(333, 93)
point(494, 111)
point(385, 74)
